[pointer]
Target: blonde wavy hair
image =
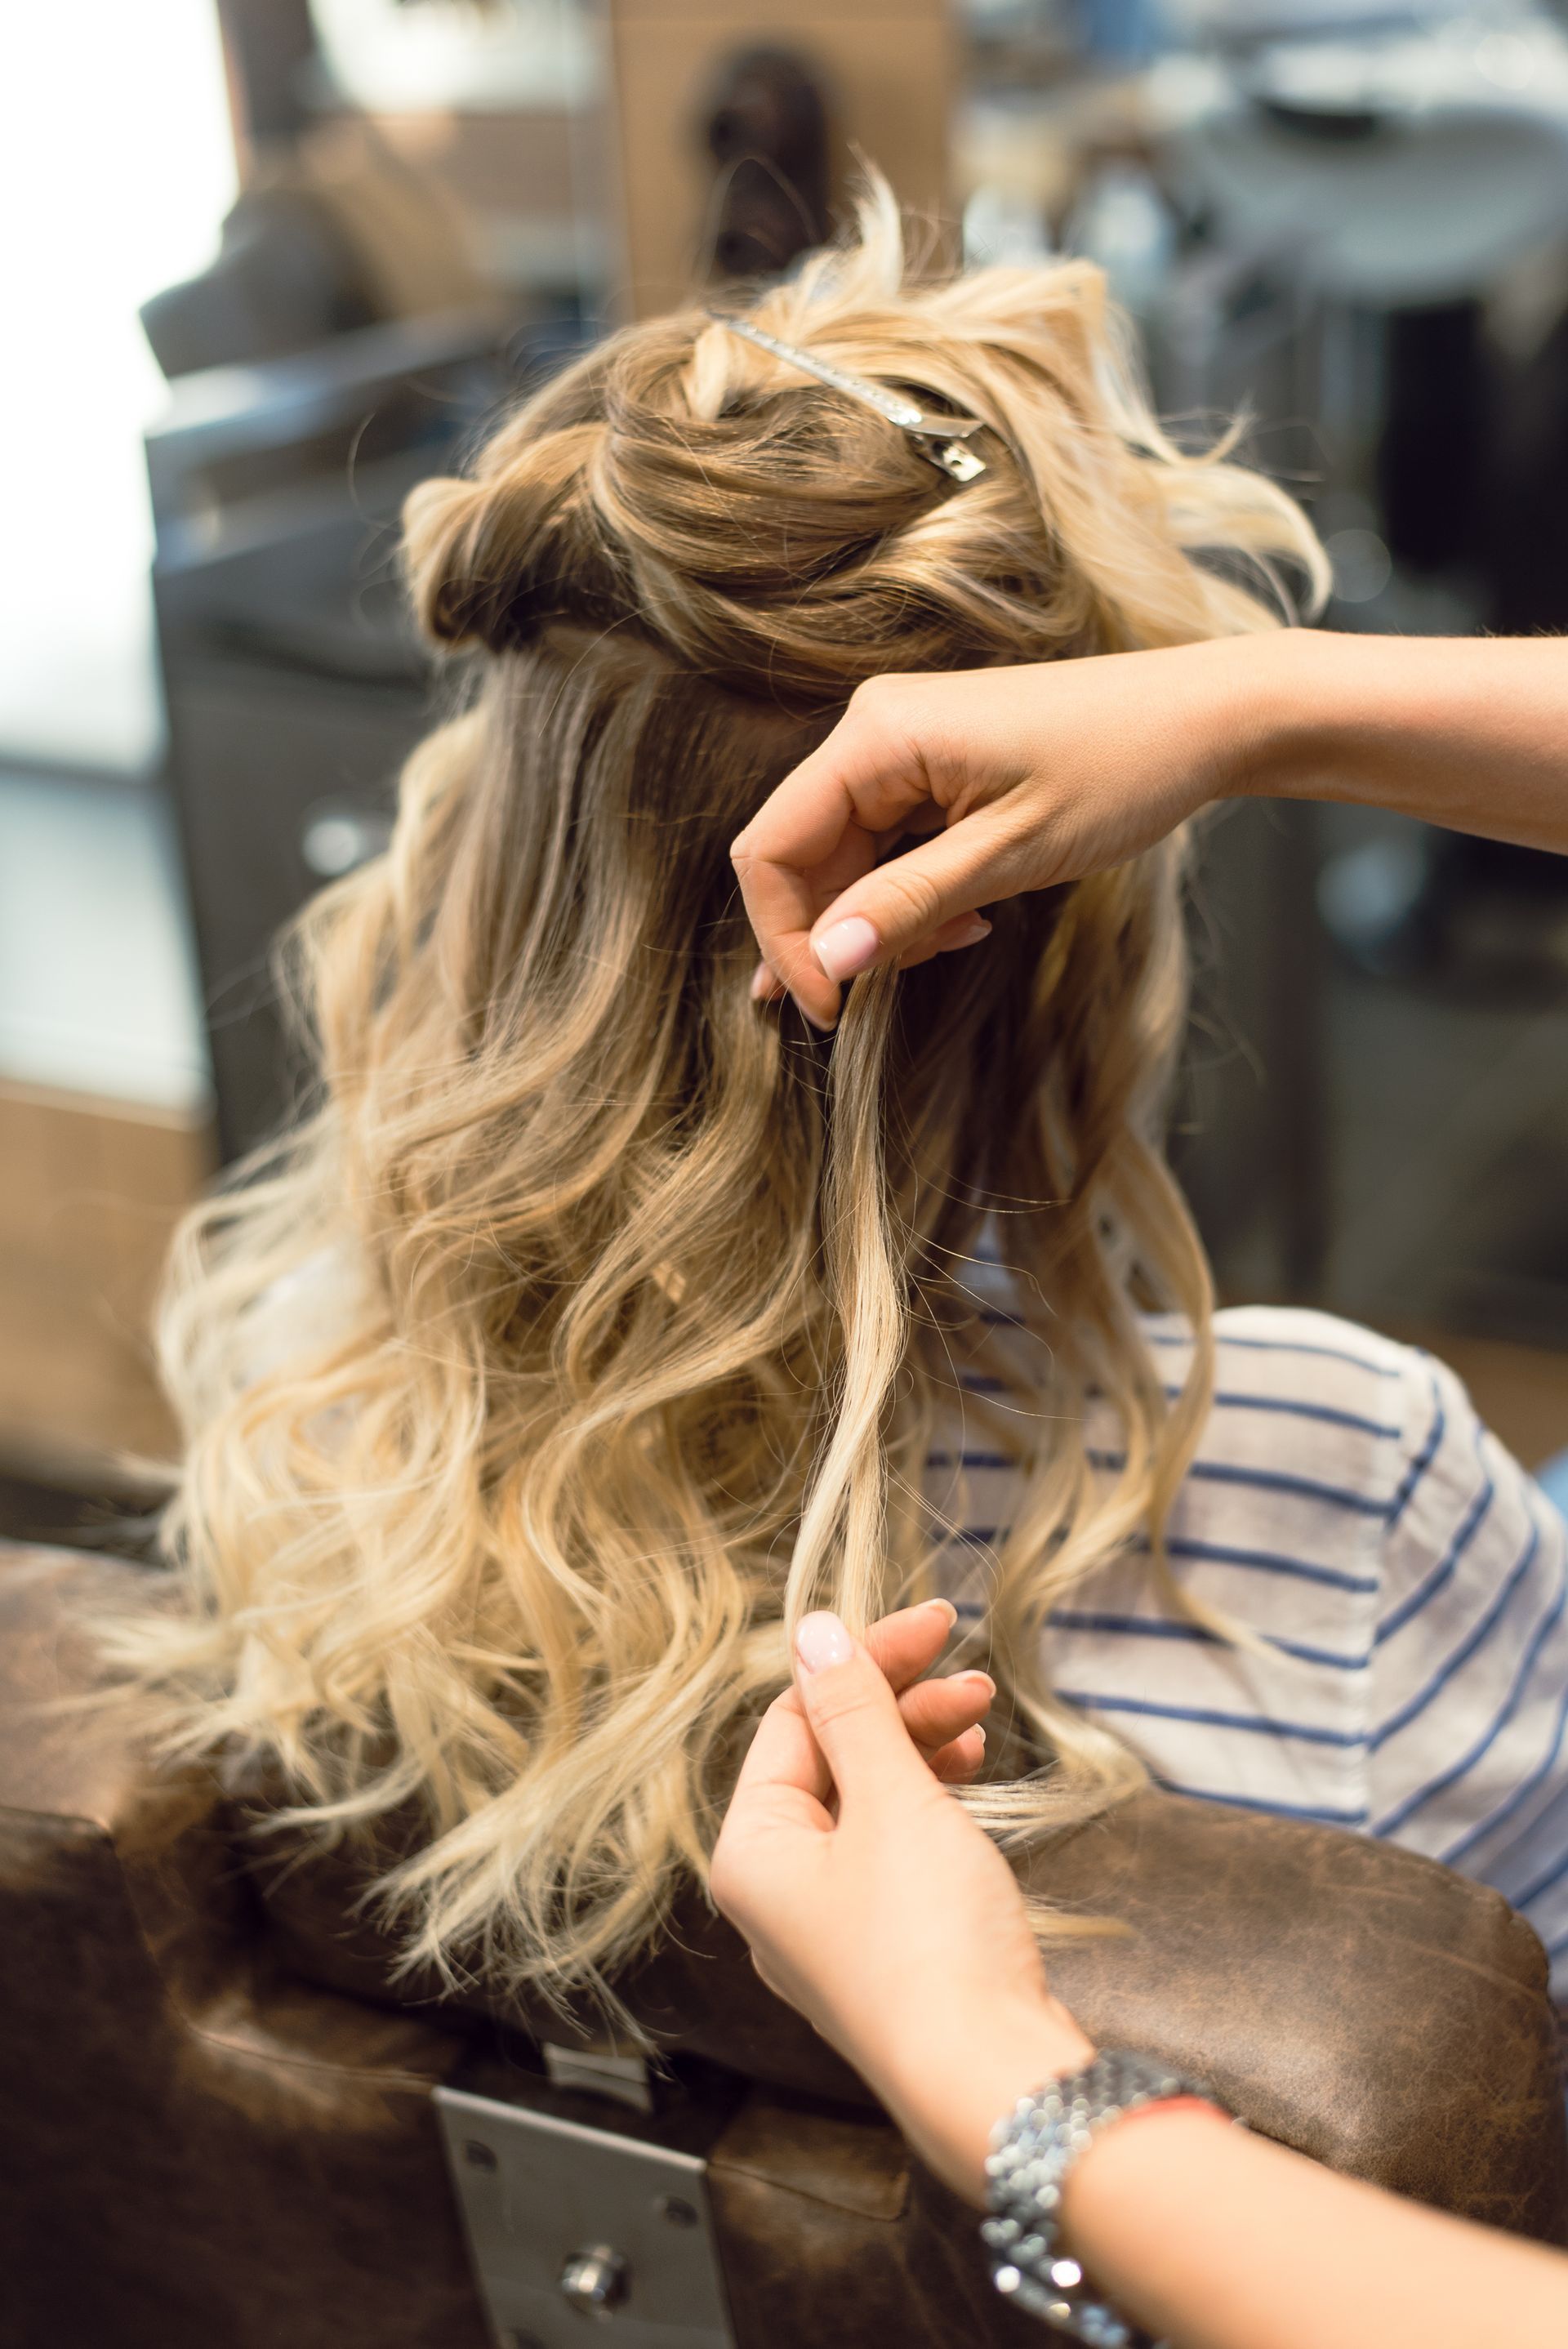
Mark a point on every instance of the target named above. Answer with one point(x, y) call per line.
point(595, 1322)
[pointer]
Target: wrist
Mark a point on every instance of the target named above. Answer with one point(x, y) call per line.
point(1047, 2230)
point(1277, 703)
point(948, 2090)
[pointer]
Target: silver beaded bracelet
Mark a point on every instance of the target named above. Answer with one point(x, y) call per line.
point(1032, 2151)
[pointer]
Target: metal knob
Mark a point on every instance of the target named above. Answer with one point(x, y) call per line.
point(595, 2280)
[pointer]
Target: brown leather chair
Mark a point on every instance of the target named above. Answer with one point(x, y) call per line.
point(226, 2121)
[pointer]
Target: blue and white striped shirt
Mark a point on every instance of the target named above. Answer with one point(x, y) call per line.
point(1409, 1579)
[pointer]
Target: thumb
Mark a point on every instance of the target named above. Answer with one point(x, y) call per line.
point(899, 908)
point(854, 1716)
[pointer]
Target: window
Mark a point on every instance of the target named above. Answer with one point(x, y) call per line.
point(115, 168)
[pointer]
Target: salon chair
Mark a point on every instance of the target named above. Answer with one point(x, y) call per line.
point(230, 2120)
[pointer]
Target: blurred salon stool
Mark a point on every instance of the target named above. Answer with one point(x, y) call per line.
point(1403, 168)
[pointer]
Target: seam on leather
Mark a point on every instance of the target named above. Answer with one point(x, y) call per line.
point(321, 2067)
point(718, 2167)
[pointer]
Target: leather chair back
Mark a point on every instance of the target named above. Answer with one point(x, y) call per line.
point(222, 2107)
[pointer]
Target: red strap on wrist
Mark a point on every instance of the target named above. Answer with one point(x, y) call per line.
point(1173, 2105)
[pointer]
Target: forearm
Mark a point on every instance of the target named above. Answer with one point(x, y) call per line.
point(1225, 2242)
point(898, 1929)
point(1468, 732)
point(1217, 2238)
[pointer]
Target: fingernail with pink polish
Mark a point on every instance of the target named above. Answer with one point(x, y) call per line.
point(821, 1641)
point(984, 1679)
point(848, 948)
point(762, 983)
point(978, 928)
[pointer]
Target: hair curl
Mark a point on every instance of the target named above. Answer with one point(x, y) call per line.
point(595, 1324)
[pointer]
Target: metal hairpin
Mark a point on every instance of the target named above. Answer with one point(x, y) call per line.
point(939, 438)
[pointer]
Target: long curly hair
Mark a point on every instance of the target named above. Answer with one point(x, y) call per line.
point(595, 1322)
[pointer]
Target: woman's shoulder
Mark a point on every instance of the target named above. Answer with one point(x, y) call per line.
point(1339, 1456)
point(1361, 1456)
point(1285, 1344)
point(1292, 1383)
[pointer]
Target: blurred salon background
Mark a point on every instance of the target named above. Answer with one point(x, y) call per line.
point(266, 262)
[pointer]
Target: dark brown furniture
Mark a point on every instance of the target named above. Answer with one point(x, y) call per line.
point(226, 2122)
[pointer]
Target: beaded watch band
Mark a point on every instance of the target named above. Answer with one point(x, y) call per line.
point(1032, 2151)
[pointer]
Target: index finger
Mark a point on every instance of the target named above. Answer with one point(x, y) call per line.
point(783, 1751)
point(783, 901)
point(817, 832)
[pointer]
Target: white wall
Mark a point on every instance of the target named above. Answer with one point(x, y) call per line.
point(115, 168)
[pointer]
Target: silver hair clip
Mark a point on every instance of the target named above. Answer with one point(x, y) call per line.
point(939, 438)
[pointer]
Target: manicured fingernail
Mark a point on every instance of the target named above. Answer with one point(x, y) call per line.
point(762, 983)
point(942, 1606)
point(822, 1641)
point(978, 1732)
point(848, 948)
point(822, 1027)
point(984, 1678)
point(978, 928)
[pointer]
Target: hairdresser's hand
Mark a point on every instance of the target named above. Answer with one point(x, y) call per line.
point(1017, 779)
point(1022, 778)
point(874, 1904)
point(878, 1909)
point(944, 1717)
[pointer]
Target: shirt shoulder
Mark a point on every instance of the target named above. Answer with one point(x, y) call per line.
point(1309, 1431)
point(1283, 1346)
point(1468, 1717)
